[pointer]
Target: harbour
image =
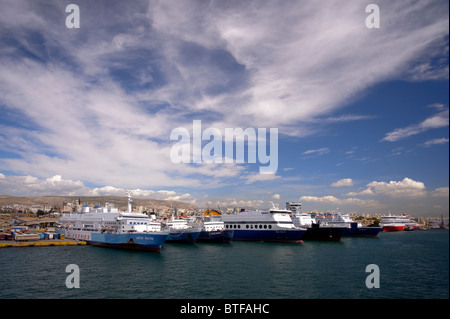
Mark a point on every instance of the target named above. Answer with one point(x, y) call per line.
point(222, 158)
point(277, 253)
point(413, 265)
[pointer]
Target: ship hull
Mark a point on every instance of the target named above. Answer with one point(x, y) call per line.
point(132, 241)
point(127, 246)
point(355, 231)
point(393, 228)
point(282, 236)
point(315, 232)
point(183, 237)
point(222, 236)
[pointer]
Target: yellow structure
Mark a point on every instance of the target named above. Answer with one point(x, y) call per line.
point(211, 213)
point(40, 243)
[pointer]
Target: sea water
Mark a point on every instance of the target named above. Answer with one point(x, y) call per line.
point(411, 265)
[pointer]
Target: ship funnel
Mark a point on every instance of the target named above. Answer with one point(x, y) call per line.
point(129, 201)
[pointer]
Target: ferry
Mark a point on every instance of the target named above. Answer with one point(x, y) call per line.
point(398, 223)
point(182, 232)
point(274, 225)
point(353, 229)
point(213, 230)
point(316, 228)
point(109, 227)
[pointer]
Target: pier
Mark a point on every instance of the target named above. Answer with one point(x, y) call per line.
point(41, 243)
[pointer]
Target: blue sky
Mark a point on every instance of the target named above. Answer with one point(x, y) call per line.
point(362, 114)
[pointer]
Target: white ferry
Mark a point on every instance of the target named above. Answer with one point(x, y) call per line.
point(108, 227)
point(214, 230)
point(316, 226)
point(274, 225)
point(180, 231)
point(353, 229)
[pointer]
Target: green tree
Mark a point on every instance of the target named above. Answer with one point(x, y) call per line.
point(40, 213)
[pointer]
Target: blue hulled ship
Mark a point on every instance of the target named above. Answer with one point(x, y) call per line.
point(317, 228)
point(213, 228)
point(182, 232)
point(274, 225)
point(352, 228)
point(108, 227)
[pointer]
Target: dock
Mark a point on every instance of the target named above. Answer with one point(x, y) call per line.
point(41, 243)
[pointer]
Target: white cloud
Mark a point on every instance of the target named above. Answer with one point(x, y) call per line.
point(337, 201)
point(103, 132)
point(438, 106)
point(252, 178)
point(276, 196)
point(436, 121)
point(233, 203)
point(405, 195)
point(319, 151)
point(58, 186)
point(440, 192)
point(367, 191)
point(306, 66)
point(98, 105)
point(343, 182)
point(32, 186)
point(436, 141)
point(184, 197)
point(344, 118)
point(406, 188)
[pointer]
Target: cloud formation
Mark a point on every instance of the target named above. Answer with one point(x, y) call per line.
point(405, 195)
point(406, 188)
point(319, 151)
point(441, 192)
point(436, 141)
point(97, 104)
point(256, 177)
point(233, 203)
point(367, 203)
point(57, 185)
point(343, 182)
point(436, 121)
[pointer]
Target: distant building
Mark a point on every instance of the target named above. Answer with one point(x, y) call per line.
point(67, 208)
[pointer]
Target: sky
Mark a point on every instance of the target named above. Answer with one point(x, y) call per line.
point(361, 113)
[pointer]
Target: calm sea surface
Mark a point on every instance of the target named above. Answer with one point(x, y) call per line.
point(412, 265)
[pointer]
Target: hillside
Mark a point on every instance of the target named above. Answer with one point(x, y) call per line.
point(118, 201)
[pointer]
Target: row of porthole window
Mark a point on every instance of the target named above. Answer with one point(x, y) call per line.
point(250, 226)
point(135, 223)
